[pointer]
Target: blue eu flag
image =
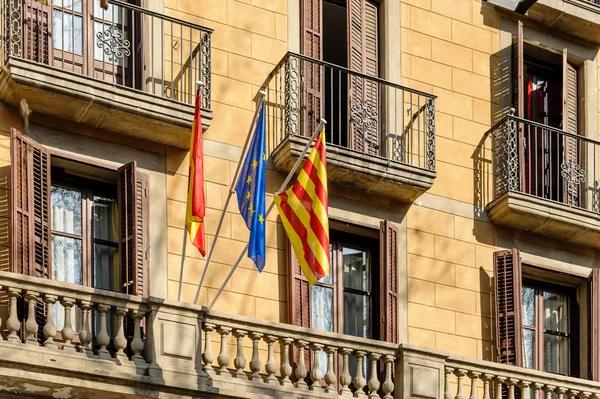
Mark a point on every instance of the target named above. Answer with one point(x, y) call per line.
point(251, 191)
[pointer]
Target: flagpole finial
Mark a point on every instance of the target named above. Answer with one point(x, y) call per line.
point(323, 120)
point(200, 83)
point(262, 93)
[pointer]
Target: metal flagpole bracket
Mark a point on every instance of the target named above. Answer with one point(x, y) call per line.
point(200, 83)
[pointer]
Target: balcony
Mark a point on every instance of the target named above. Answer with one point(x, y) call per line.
point(126, 69)
point(380, 135)
point(545, 180)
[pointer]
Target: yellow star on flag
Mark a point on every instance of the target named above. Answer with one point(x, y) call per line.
point(254, 164)
point(261, 219)
point(251, 209)
point(248, 195)
point(249, 179)
point(264, 156)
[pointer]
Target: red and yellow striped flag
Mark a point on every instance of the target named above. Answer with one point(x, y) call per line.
point(304, 213)
point(196, 206)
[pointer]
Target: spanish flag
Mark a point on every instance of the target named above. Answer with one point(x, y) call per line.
point(304, 213)
point(196, 206)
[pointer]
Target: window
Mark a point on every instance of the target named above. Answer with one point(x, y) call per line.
point(538, 320)
point(78, 223)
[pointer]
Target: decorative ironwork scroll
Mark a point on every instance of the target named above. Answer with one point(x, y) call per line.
point(205, 67)
point(430, 134)
point(574, 176)
point(364, 117)
point(292, 96)
point(113, 43)
point(16, 30)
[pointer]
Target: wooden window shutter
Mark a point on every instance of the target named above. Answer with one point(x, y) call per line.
point(37, 26)
point(133, 209)
point(389, 284)
point(571, 192)
point(508, 307)
point(594, 325)
point(299, 299)
point(30, 207)
point(363, 57)
point(312, 46)
point(518, 72)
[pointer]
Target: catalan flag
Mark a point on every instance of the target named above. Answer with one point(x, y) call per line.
point(304, 213)
point(196, 206)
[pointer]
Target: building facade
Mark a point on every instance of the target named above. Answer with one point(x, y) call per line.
point(464, 207)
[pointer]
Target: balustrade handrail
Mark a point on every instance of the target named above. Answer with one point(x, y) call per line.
point(349, 72)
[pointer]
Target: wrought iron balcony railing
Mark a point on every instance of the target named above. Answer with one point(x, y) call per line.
point(365, 114)
point(125, 45)
point(545, 162)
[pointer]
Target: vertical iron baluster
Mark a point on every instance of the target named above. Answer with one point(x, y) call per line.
point(72, 37)
point(307, 83)
point(181, 62)
point(412, 126)
point(330, 100)
point(134, 47)
point(102, 53)
point(162, 57)
point(534, 191)
point(114, 69)
point(152, 52)
point(395, 132)
point(30, 29)
point(340, 107)
point(190, 74)
point(419, 128)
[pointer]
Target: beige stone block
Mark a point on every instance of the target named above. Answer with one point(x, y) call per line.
point(422, 292)
point(416, 85)
point(281, 27)
point(456, 9)
point(443, 124)
point(233, 92)
point(484, 305)
point(451, 54)
point(485, 16)
point(175, 243)
point(176, 213)
point(405, 15)
point(430, 318)
point(177, 160)
point(233, 124)
point(216, 170)
point(228, 251)
point(267, 50)
point(455, 299)
point(188, 292)
point(269, 310)
point(275, 235)
point(170, 4)
point(278, 6)
point(250, 70)
point(193, 269)
point(471, 278)
point(177, 186)
point(211, 9)
point(218, 62)
point(253, 19)
point(430, 221)
point(486, 351)
point(454, 152)
point(453, 103)
point(431, 72)
point(239, 231)
point(475, 231)
point(458, 252)
point(430, 24)
point(232, 302)
point(472, 84)
point(474, 327)
point(460, 346)
point(495, 43)
point(416, 43)
point(453, 182)
point(469, 132)
point(482, 63)
point(472, 36)
point(216, 194)
point(426, 4)
point(262, 285)
point(484, 257)
point(419, 243)
point(429, 269)
point(482, 112)
point(422, 338)
point(230, 39)
point(212, 220)
point(406, 65)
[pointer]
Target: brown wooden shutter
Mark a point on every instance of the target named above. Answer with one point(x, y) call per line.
point(389, 284)
point(363, 57)
point(312, 46)
point(594, 324)
point(299, 300)
point(30, 207)
point(571, 192)
point(508, 307)
point(133, 230)
point(518, 72)
point(36, 28)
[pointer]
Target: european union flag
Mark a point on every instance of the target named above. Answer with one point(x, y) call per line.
point(251, 192)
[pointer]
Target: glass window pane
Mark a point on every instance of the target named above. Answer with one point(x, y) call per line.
point(528, 348)
point(67, 32)
point(528, 306)
point(322, 308)
point(357, 315)
point(556, 354)
point(66, 259)
point(555, 315)
point(57, 26)
point(105, 219)
point(112, 14)
point(329, 278)
point(356, 269)
point(106, 274)
point(66, 210)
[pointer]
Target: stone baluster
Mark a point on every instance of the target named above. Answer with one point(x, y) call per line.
point(345, 378)
point(240, 361)
point(460, 374)
point(207, 355)
point(560, 392)
point(523, 386)
point(286, 367)
point(223, 358)
point(31, 326)
point(85, 335)
point(13, 323)
point(548, 390)
point(374, 383)
point(585, 395)
point(388, 383)
point(486, 378)
point(271, 365)
point(301, 368)
point(68, 333)
point(49, 327)
point(447, 392)
point(137, 342)
point(572, 393)
point(330, 377)
point(474, 376)
point(1, 337)
point(102, 338)
point(315, 373)
point(536, 387)
point(120, 341)
point(499, 383)
point(359, 380)
point(511, 383)
point(255, 363)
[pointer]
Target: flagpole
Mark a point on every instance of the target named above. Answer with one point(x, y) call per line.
point(263, 94)
point(283, 186)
